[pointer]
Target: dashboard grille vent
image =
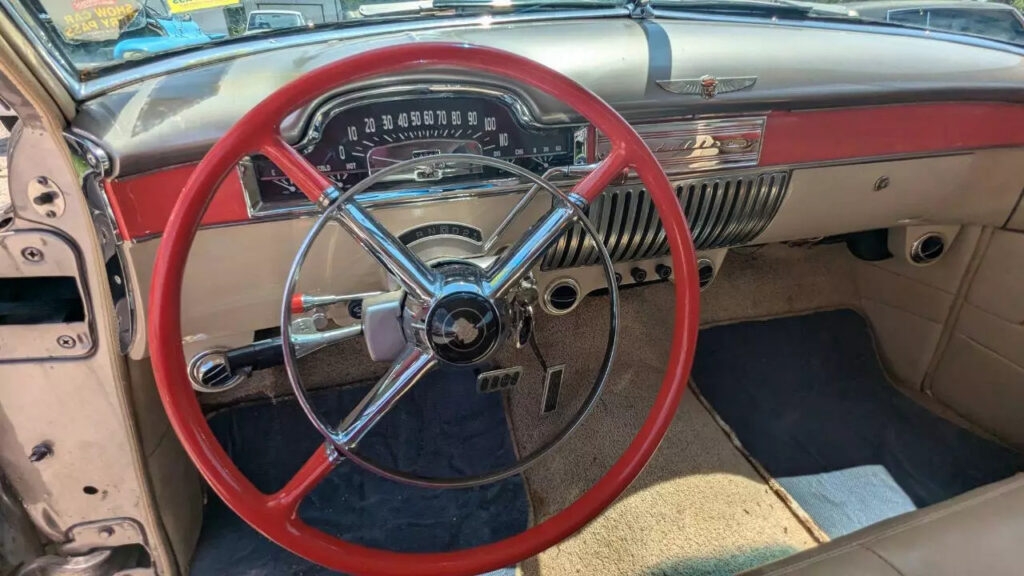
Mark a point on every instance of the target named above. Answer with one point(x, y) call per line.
point(721, 211)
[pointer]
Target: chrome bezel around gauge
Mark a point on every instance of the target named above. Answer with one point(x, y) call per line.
point(323, 114)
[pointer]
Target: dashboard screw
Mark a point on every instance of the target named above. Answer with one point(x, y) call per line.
point(32, 254)
point(882, 183)
point(65, 341)
point(40, 452)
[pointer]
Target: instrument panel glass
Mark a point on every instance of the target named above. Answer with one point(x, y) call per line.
point(356, 141)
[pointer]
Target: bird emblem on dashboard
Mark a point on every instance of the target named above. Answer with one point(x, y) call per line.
point(708, 86)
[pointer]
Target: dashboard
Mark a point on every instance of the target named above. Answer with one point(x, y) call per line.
point(796, 155)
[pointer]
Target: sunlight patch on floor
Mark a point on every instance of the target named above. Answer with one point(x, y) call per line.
point(849, 499)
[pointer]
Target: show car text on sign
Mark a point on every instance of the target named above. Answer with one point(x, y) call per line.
point(91, 20)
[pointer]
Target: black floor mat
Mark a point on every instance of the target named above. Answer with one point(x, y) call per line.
point(442, 427)
point(808, 399)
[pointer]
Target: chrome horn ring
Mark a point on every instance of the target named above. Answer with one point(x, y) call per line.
point(418, 357)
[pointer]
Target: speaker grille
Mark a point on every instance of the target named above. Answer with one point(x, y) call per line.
point(721, 211)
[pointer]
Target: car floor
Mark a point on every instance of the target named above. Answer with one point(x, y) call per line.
point(701, 506)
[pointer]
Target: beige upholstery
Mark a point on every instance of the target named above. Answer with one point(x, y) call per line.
point(980, 532)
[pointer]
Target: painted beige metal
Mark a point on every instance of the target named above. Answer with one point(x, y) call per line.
point(908, 304)
point(230, 292)
point(54, 257)
point(82, 407)
point(591, 278)
point(975, 188)
point(981, 371)
point(1016, 221)
point(234, 280)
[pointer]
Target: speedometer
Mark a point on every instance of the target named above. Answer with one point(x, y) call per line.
point(348, 144)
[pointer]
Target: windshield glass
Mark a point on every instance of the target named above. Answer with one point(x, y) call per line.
point(97, 34)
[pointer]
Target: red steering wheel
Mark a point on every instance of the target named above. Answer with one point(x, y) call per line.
point(275, 515)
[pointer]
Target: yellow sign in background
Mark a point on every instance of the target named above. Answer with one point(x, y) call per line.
point(179, 6)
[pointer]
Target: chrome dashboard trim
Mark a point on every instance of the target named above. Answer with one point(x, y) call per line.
point(338, 104)
point(700, 145)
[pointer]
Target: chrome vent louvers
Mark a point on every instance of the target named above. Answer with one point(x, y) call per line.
point(721, 211)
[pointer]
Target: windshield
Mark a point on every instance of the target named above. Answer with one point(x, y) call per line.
point(97, 34)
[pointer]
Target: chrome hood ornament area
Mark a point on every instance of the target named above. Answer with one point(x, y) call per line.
point(708, 86)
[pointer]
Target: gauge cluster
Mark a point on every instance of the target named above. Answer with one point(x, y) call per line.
point(348, 142)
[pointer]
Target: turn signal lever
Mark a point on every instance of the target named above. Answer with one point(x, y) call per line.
point(218, 370)
point(306, 302)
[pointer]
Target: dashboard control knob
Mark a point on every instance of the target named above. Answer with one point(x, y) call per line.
point(664, 272)
point(638, 274)
point(705, 272)
point(355, 309)
point(618, 278)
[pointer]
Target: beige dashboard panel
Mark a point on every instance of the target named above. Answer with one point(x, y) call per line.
point(234, 279)
point(974, 188)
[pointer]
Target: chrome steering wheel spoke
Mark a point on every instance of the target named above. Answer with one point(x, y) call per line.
point(412, 274)
point(410, 366)
point(517, 261)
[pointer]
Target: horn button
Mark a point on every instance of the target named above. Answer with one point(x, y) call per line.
point(463, 328)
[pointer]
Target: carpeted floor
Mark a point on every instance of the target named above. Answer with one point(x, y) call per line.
point(698, 508)
point(442, 427)
point(808, 399)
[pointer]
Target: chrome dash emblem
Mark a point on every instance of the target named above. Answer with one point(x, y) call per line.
point(708, 86)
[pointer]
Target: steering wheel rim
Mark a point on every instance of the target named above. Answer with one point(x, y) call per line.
point(276, 515)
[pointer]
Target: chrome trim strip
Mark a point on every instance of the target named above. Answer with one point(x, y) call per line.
point(700, 145)
point(340, 103)
point(43, 46)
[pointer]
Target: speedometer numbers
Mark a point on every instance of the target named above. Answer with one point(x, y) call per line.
point(360, 140)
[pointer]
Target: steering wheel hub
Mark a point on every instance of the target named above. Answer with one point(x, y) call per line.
point(463, 328)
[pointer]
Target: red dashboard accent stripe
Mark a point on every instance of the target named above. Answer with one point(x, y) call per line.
point(823, 135)
point(142, 204)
